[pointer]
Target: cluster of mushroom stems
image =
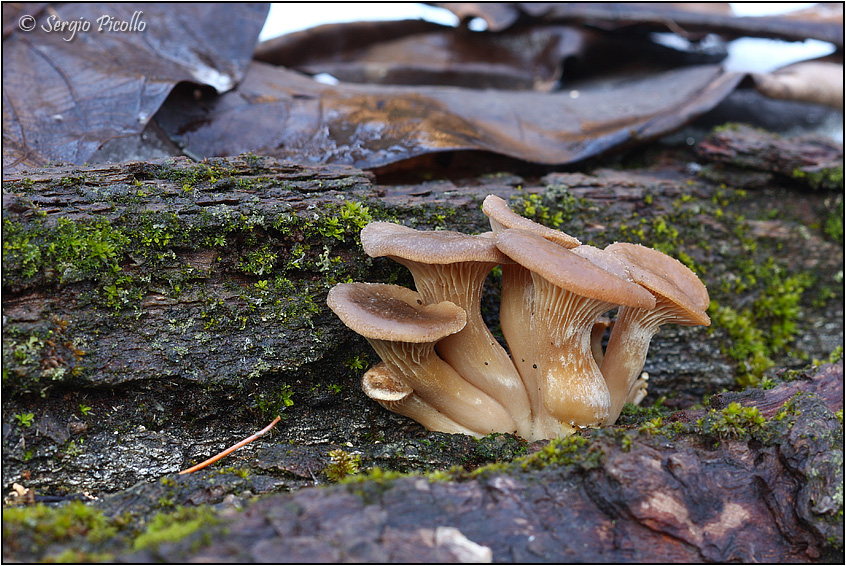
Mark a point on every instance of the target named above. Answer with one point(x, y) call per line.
point(442, 367)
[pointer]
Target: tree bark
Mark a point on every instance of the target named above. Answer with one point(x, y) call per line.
point(156, 313)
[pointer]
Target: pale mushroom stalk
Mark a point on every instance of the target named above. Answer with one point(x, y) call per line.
point(569, 294)
point(448, 266)
point(638, 391)
point(625, 355)
point(569, 378)
point(522, 331)
point(680, 298)
point(515, 319)
point(389, 391)
point(628, 346)
point(596, 334)
point(403, 331)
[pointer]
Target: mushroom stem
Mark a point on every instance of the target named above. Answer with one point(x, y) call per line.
point(639, 388)
point(389, 391)
point(473, 352)
point(515, 317)
point(571, 385)
point(627, 348)
point(596, 334)
point(438, 384)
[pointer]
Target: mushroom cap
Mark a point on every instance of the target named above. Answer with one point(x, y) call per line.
point(607, 261)
point(389, 312)
point(380, 384)
point(570, 271)
point(441, 247)
point(666, 277)
point(497, 209)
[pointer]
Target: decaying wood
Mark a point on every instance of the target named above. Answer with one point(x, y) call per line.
point(685, 498)
point(191, 353)
point(190, 307)
point(813, 161)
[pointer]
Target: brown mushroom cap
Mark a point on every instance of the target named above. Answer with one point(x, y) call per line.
point(381, 239)
point(450, 266)
point(668, 278)
point(390, 312)
point(498, 211)
point(570, 271)
point(381, 385)
point(607, 261)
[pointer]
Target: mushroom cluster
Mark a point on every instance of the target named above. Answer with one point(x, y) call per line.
point(442, 367)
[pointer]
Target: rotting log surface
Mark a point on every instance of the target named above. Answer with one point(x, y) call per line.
point(768, 494)
point(158, 350)
point(156, 276)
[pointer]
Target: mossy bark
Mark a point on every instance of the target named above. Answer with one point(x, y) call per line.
point(155, 313)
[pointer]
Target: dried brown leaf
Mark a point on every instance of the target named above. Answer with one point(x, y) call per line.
point(63, 97)
point(285, 114)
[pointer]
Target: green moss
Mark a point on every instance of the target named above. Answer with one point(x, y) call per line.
point(270, 403)
point(754, 334)
point(75, 556)
point(652, 426)
point(637, 414)
point(377, 474)
point(24, 419)
point(357, 363)
point(556, 208)
point(833, 220)
point(567, 451)
point(64, 251)
point(174, 526)
point(827, 178)
point(39, 527)
point(258, 262)
point(733, 421)
point(341, 465)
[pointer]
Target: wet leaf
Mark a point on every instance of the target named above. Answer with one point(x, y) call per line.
point(819, 81)
point(285, 114)
point(66, 91)
point(523, 58)
point(824, 23)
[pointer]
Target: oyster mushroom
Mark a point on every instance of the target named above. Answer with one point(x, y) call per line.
point(403, 330)
point(517, 291)
point(680, 298)
point(569, 294)
point(382, 386)
point(450, 266)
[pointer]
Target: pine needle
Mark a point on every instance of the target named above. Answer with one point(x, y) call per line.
point(232, 448)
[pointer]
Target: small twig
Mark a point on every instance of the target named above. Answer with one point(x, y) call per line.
point(232, 448)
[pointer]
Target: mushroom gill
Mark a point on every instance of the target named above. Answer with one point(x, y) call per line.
point(451, 266)
point(403, 331)
point(680, 298)
point(570, 294)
